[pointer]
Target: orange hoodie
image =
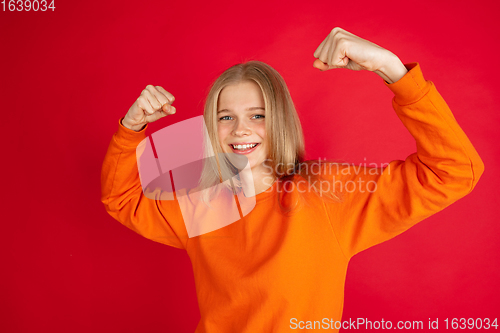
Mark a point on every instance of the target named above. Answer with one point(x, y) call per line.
point(272, 271)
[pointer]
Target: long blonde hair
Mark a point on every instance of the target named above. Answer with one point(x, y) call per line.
point(283, 129)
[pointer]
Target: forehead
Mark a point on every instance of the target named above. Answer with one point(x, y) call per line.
point(243, 93)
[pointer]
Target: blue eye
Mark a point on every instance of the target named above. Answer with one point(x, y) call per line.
point(257, 116)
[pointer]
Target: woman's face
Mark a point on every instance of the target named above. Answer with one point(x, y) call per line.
point(241, 122)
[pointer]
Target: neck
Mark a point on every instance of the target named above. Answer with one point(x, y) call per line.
point(262, 181)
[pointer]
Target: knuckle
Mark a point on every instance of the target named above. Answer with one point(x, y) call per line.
point(337, 33)
point(149, 86)
point(338, 36)
point(141, 101)
point(342, 41)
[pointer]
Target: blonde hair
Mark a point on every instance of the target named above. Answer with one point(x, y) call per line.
point(283, 129)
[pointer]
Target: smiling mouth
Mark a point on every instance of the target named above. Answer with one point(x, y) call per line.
point(244, 147)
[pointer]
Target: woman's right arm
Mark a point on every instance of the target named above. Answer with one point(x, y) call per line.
point(121, 190)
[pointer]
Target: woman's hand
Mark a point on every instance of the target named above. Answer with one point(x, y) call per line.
point(153, 103)
point(341, 49)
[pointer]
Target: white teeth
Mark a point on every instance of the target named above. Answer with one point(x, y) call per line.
point(244, 147)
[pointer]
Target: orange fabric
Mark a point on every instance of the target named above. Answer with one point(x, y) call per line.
point(258, 273)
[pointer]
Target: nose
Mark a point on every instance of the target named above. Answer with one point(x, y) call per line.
point(241, 128)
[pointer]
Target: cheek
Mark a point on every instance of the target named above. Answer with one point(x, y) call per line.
point(221, 133)
point(261, 131)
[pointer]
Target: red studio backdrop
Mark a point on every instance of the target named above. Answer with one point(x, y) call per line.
point(68, 75)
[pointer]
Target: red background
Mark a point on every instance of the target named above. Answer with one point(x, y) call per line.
point(67, 77)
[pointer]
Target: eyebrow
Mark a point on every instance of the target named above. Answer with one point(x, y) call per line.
point(248, 109)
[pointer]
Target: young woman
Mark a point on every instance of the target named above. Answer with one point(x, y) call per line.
point(282, 265)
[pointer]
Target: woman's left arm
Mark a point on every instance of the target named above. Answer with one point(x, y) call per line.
point(445, 167)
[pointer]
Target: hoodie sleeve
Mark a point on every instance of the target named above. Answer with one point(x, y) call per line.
point(123, 197)
point(380, 203)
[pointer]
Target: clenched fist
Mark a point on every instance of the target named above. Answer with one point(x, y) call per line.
point(342, 49)
point(153, 103)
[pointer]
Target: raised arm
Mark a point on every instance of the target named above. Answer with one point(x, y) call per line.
point(385, 203)
point(121, 190)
